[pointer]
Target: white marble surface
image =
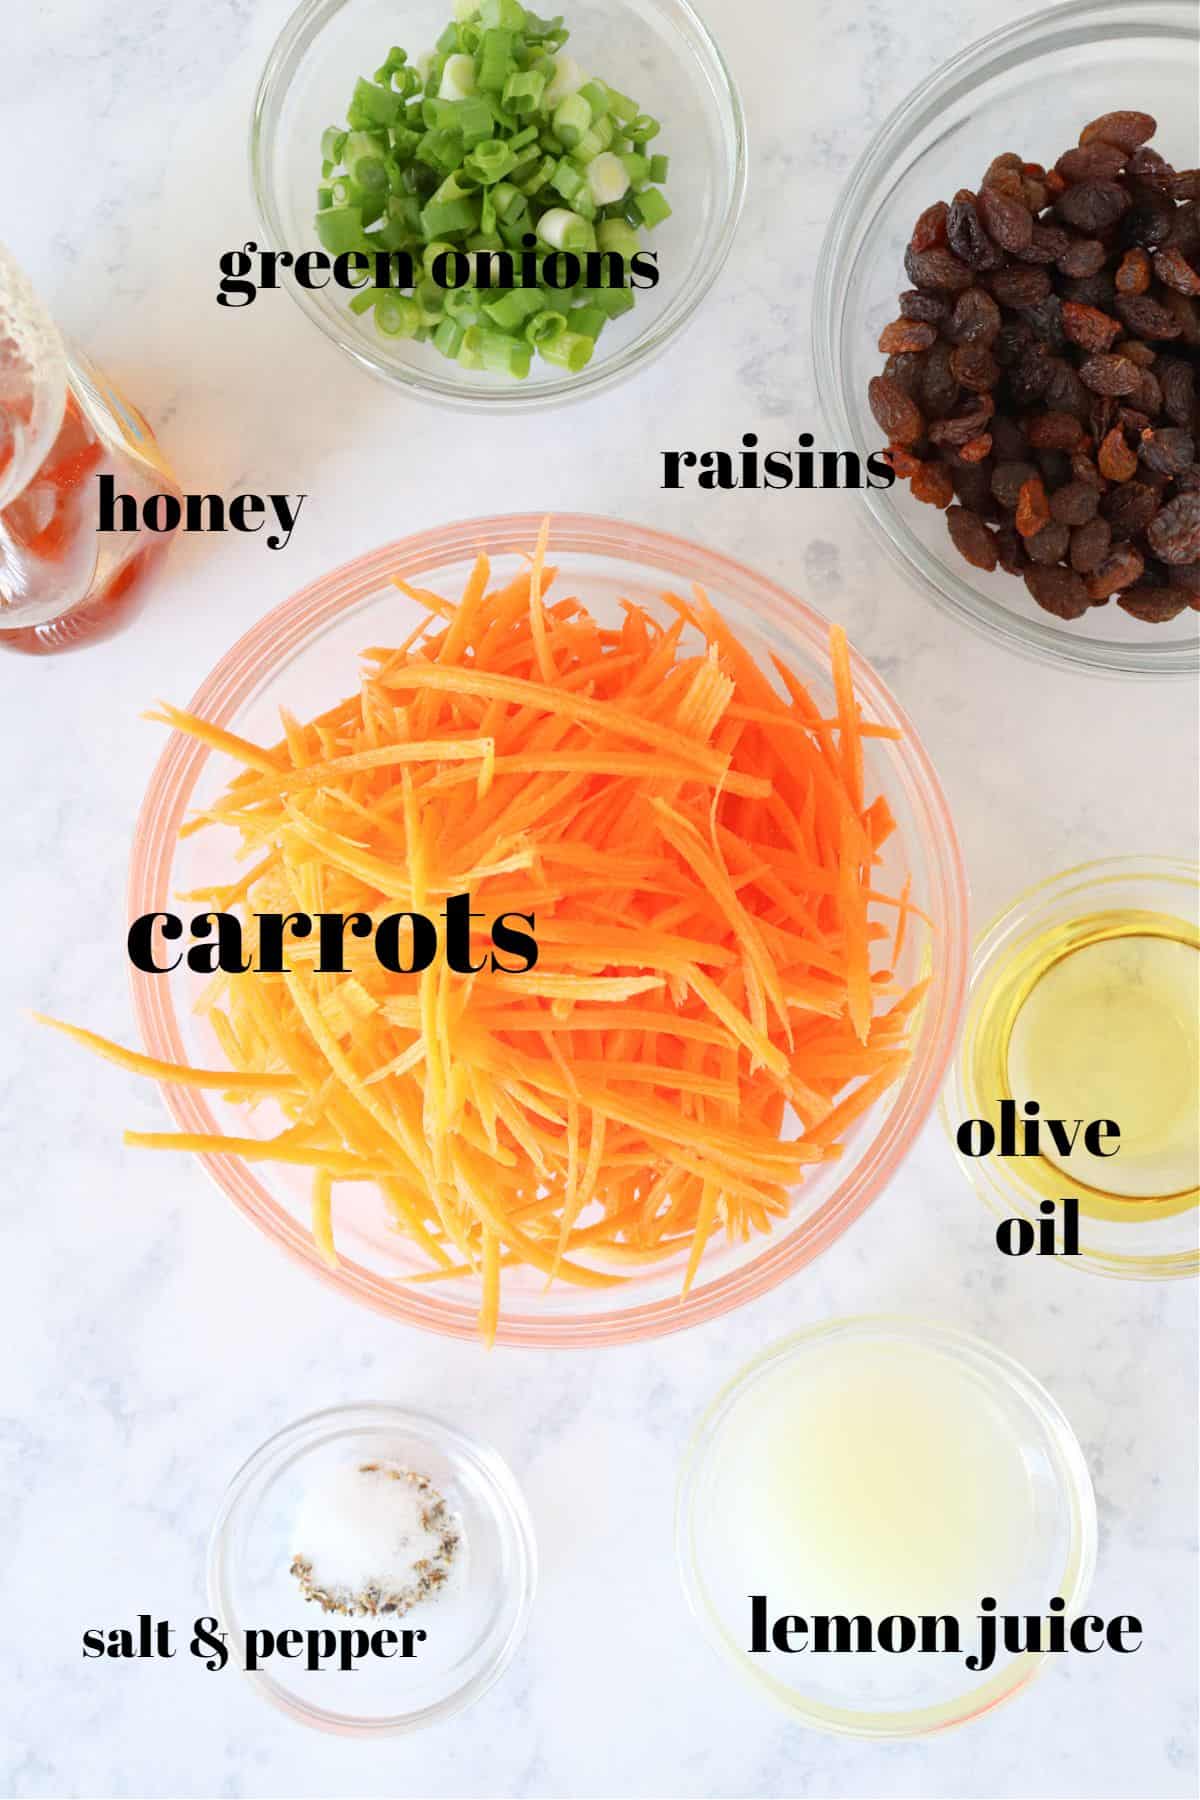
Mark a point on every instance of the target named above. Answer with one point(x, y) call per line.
point(154, 1339)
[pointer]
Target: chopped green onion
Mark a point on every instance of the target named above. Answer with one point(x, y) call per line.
point(596, 95)
point(511, 310)
point(377, 105)
point(588, 320)
point(544, 326)
point(498, 351)
point(652, 207)
point(572, 117)
point(494, 60)
point(340, 228)
point(396, 315)
point(495, 140)
point(569, 350)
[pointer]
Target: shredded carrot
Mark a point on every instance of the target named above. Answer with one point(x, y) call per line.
point(713, 1005)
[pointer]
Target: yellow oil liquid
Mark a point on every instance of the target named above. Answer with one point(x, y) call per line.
point(1099, 1018)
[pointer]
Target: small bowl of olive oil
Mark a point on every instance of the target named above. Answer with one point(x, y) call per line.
point(1084, 1005)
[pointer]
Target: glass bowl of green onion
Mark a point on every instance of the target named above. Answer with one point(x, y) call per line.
point(512, 209)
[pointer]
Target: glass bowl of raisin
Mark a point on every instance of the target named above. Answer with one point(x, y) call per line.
point(1009, 296)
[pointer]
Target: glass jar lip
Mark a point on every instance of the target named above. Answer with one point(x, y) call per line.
point(283, 630)
point(509, 1509)
point(296, 38)
point(1091, 882)
point(1073, 1481)
point(1059, 26)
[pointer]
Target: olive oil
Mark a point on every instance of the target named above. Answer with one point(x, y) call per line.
point(1099, 1017)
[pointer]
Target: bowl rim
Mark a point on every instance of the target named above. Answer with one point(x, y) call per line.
point(1061, 26)
point(1002, 1370)
point(509, 1508)
point(993, 1179)
point(296, 37)
point(239, 673)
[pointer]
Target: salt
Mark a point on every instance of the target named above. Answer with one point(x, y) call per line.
point(373, 1538)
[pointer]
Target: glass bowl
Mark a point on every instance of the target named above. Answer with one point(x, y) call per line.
point(304, 655)
point(473, 1627)
point(1029, 87)
point(1143, 1239)
point(904, 1696)
point(656, 50)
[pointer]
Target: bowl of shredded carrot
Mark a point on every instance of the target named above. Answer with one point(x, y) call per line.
point(748, 903)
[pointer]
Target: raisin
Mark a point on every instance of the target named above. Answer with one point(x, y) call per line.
point(1145, 318)
point(1092, 206)
point(1185, 226)
point(976, 448)
point(1010, 548)
point(975, 369)
point(1186, 576)
point(1149, 218)
point(1046, 244)
point(1007, 221)
point(1059, 591)
point(1129, 508)
point(972, 487)
point(930, 228)
point(1049, 545)
point(1084, 325)
point(1128, 129)
point(966, 235)
point(1004, 175)
point(933, 484)
point(938, 392)
point(1177, 381)
point(1134, 351)
point(963, 426)
point(1045, 321)
point(1110, 375)
point(903, 461)
point(938, 268)
point(1175, 534)
point(1055, 467)
point(1154, 605)
point(1033, 508)
point(897, 415)
point(1096, 161)
point(1081, 256)
point(1117, 461)
point(1119, 570)
point(971, 538)
point(905, 370)
point(1008, 440)
point(1075, 503)
point(1183, 310)
point(1133, 272)
point(906, 334)
point(1099, 291)
point(1020, 286)
point(1008, 478)
point(1054, 431)
point(1167, 450)
point(1084, 469)
point(1089, 545)
point(976, 318)
point(1030, 378)
point(929, 309)
point(1011, 340)
point(1185, 185)
point(1147, 396)
point(1173, 268)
